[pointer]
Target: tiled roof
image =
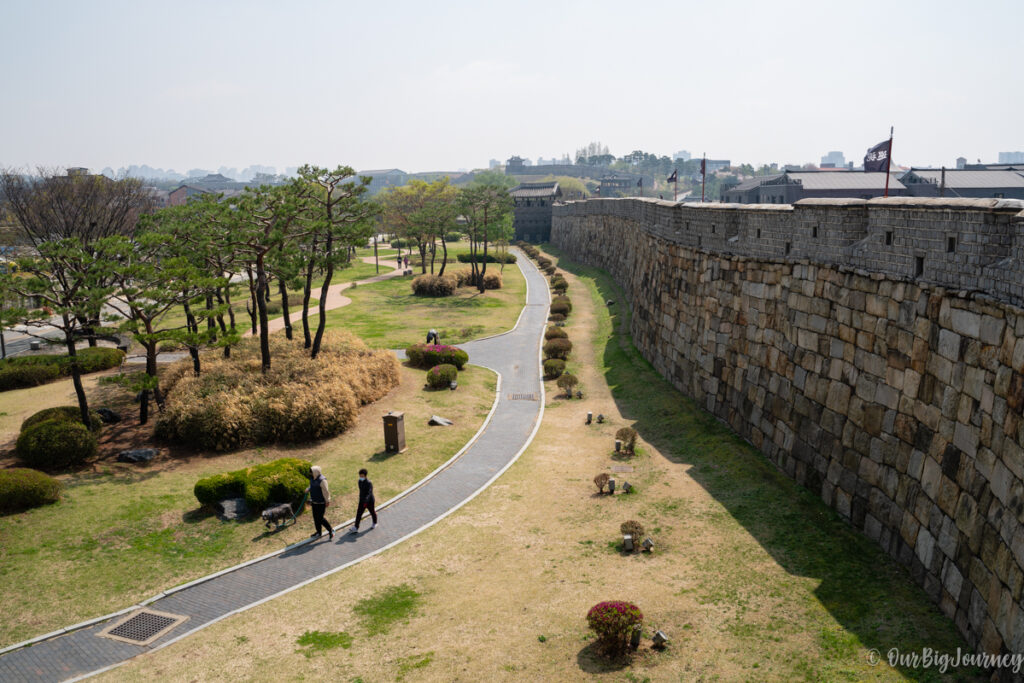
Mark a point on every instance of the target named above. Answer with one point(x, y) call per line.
point(850, 180)
point(972, 179)
point(548, 189)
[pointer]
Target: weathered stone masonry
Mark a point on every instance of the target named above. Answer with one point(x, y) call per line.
point(897, 399)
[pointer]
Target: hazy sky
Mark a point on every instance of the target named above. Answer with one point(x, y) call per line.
point(442, 85)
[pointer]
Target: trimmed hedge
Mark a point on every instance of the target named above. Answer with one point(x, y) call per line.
point(490, 258)
point(550, 270)
point(64, 414)
point(279, 481)
point(553, 332)
point(56, 445)
point(31, 371)
point(402, 244)
point(559, 284)
point(543, 262)
point(492, 281)
point(553, 368)
point(428, 355)
point(560, 308)
point(441, 376)
point(567, 382)
point(627, 435)
point(434, 285)
point(22, 488)
point(557, 317)
point(558, 348)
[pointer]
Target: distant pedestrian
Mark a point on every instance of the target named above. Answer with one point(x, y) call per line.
point(366, 502)
point(319, 499)
point(406, 261)
point(399, 257)
point(432, 337)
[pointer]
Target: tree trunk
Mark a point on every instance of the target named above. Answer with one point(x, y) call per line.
point(193, 348)
point(322, 307)
point(211, 324)
point(76, 371)
point(151, 371)
point(483, 266)
point(226, 299)
point(251, 307)
point(283, 289)
point(307, 289)
point(262, 287)
point(444, 255)
point(422, 246)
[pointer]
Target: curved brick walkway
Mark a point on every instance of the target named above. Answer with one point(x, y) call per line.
point(515, 355)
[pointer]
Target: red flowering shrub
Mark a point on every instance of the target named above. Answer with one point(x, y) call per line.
point(429, 355)
point(613, 622)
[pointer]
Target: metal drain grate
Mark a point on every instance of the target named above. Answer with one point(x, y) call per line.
point(522, 397)
point(142, 628)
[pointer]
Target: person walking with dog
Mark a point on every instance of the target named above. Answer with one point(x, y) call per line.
point(366, 501)
point(319, 499)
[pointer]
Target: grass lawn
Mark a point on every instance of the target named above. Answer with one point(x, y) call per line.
point(387, 314)
point(752, 577)
point(122, 533)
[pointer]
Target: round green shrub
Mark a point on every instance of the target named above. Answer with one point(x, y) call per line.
point(56, 445)
point(428, 355)
point(558, 348)
point(22, 488)
point(491, 257)
point(553, 368)
point(562, 299)
point(550, 270)
point(556, 317)
point(544, 262)
point(22, 376)
point(613, 622)
point(553, 332)
point(559, 285)
point(210, 490)
point(452, 236)
point(441, 376)
point(64, 414)
point(566, 383)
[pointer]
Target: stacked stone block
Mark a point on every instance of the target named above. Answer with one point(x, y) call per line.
point(898, 401)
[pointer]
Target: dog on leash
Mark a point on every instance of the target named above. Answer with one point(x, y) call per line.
point(278, 514)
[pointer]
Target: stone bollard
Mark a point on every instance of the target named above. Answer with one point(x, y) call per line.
point(618, 446)
point(611, 486)
point(590, 417)
point(627, 543)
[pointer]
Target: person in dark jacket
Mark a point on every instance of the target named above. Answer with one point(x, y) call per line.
point(432, 337)
point(319, 499)
point(366, 501)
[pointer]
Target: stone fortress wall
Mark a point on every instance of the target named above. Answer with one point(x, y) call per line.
point(850, 341)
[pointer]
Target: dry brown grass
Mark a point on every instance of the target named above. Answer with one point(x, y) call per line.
point(233, 404)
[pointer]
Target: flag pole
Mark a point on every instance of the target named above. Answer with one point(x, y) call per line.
point(888, 162)
point(703, 175)
point(675, 191)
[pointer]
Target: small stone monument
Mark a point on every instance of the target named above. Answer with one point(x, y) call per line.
point(611, 486)
point(660, 639)
point(590, 417)
point(618, 445)
point(627, 542)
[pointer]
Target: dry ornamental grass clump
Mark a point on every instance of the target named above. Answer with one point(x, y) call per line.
point(234, 405)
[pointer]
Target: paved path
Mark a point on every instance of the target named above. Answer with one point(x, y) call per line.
point(515, 355)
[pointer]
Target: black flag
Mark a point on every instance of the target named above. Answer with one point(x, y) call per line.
point(877, 158)
point(703, 166)
point(640, 183)
point(672, 178)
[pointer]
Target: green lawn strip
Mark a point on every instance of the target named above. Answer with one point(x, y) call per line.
point(394, 604)
point(121, 534)
point(387, 314)
point(841, 589)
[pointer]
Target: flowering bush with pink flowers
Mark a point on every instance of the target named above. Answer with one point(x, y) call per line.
point(613, 621)
point(429, 355)
point(441, 376)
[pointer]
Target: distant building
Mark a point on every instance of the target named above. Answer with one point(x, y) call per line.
point(493, 163)
point(833, 160)
point(792, 186)
point(181, 195)
point(532, 210)
point(717, 165)
point(961, 162)
point(616, 185)
point(385, 177)
point(931, 182)
point(1011, 157)
point(682, 155)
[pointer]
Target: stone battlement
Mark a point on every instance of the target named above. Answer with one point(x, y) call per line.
point(898, 399)
point(963, 244)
